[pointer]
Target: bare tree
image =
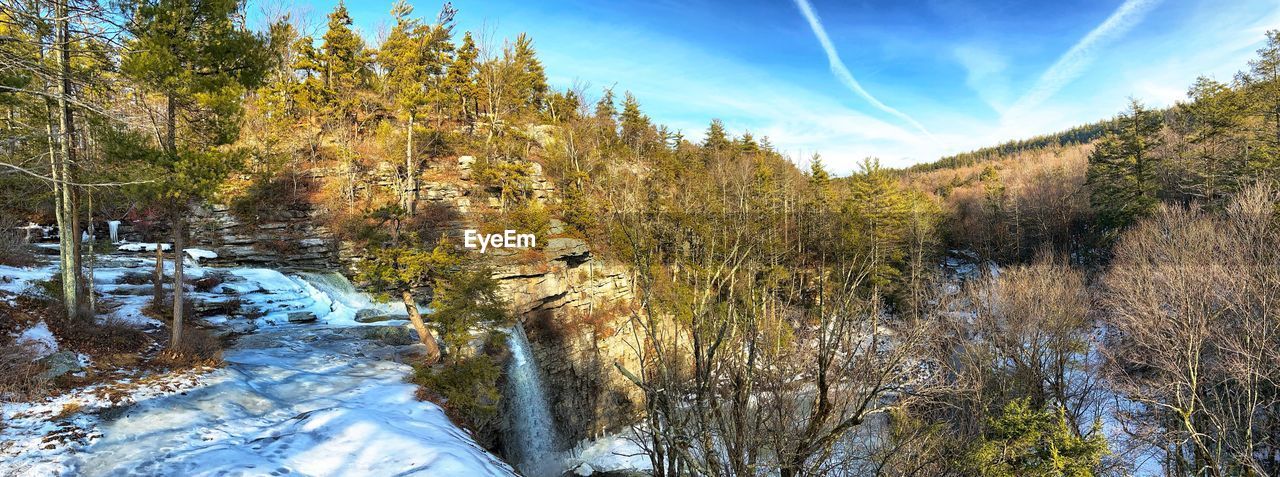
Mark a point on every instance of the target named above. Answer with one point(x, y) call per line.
point(1191, 301)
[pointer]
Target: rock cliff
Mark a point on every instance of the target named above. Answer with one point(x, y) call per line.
point(574, 304)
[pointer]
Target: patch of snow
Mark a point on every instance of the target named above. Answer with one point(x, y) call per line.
point(199, 254)
point(142, 247)
point(18, 280)
point(294, 400)
point(39, 339)
point(309, 399)
point(611, 453)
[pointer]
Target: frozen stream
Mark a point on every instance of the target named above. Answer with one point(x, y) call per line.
point(293, 400)
point(322, 398)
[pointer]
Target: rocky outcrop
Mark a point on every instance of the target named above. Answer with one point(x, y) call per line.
point(575, 306)
point(576, 309)
point(290, 239)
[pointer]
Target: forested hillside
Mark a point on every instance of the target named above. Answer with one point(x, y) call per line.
point(1097, 301)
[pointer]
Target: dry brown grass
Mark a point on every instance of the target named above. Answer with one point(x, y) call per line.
point(198, 348)
point(20, 378)
point(97, 339)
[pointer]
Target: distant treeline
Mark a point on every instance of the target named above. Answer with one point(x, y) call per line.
point(1077, 135)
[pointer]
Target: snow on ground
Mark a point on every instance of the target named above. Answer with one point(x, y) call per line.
point(37, 438)
point(199, 254)
point(296, 399)
point(313, 399)
point(142, 247)
point(17, 280)
point(609, 453)
point(39, 339)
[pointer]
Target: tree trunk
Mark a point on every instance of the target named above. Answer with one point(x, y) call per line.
point(157, 281)
point(179, 230)
point(424, 334)
point(171, 126)
point(410, 173)
point(73, 289)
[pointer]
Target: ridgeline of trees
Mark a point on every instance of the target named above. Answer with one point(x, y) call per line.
point(1077, 135)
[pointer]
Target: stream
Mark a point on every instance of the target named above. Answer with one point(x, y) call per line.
point(328, 397)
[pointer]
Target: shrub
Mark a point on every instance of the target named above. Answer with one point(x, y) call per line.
point(208, 282)
point(466, 389)
point(271, 196)
point(99, 338)
point(198, 348)
point(20, 378)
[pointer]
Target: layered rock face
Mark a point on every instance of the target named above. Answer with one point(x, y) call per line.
point(288, 239)
point(575, 309)
point(575, 306)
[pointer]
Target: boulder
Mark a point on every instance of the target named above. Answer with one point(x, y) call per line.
point(464, 167)
point(370, 315)
point(60, 364)
point(302, 317)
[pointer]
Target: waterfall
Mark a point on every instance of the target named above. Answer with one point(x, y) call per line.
point(113, 229)
point(532, 438)
point(346, 300)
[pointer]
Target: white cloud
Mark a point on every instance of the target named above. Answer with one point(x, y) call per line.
point(1073, 63)
point(984, 74)
point(842, 73)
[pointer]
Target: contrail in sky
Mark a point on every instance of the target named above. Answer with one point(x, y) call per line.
point(841, 72)
point(1072, 64)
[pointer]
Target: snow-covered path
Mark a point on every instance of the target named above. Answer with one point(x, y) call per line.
point(293, 400)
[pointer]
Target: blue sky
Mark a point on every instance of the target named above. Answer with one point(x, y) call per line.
point(911, 82)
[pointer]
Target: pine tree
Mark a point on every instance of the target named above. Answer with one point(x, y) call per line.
point(605, 117)
point(819, 178)
point(1023, 441)
point(400, 267)
point(1122, 168)
point(414, 57)
point(635, 125)
point(461, 82)
point(717, 140)
point(1262, 83)
point(529, 82)
point(1215, 114)
point(197, 56)
point(344, 63)
point(877, 210)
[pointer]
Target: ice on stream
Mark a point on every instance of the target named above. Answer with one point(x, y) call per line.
point(298, 399)
point(294, 400)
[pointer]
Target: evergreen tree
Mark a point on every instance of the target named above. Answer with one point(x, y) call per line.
point(1262, 83)
point(344, 62)
point(877, 211)
point(1027, 442)
point(399, 267)
point(200, 59)
point(747, 144)
point(635, 125)
point(717, 140)
point(605, 116)
point(819, 179)
point(529, 81)
point(1215, 114)
point(1122, 168)
point(461, 82)
point(414, 56)
point(464, 297)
